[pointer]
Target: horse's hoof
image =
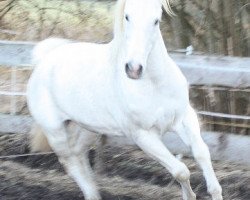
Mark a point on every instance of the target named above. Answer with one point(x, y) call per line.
point(217, 197)
point(191, 196)
point(216, 192)
point(96, 196)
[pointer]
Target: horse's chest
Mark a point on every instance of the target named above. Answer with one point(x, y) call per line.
point(156, 112)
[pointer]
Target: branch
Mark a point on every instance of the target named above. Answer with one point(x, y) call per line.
point(8, 7)
point(10, 32)
point(56, 21)
point(12, 1)
point(239, 11)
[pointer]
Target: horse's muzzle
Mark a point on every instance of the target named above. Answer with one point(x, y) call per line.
point(133, 71)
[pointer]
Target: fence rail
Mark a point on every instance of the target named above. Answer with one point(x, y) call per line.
point(199, 70)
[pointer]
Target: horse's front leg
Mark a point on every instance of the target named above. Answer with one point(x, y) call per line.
point(151, 144)
point(189, 131)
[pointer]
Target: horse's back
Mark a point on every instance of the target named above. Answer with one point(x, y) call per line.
point(44, 47)
point(59, 56)
point(72, 81)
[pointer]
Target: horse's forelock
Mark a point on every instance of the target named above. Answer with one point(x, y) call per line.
point(119, 14)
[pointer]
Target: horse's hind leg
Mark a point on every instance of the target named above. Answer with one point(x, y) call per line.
point(151, 144)
point(71, 145)
point(189, 131)
point(99, 155)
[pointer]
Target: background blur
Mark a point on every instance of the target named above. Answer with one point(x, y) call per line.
point(219, 32)
point(210, 26)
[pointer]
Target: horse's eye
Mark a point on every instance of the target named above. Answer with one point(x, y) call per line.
point(127, 17)
point(156, 22)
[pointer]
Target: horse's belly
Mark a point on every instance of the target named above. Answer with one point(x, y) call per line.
point(95, 115)
point(112, 120)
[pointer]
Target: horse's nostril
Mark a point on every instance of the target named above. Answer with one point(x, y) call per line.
point(127, 67)
point(140, 69)
point(133, 72)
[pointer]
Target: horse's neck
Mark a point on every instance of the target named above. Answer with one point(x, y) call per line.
point(159, 50)
point(159, 62)
point(115, 52)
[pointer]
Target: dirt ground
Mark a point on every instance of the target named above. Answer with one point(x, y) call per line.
point(126, 174)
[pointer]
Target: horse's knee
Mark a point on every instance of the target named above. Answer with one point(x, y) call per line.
point(181, 173)
point(201, 152)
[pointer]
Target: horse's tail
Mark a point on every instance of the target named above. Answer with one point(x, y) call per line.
point(38, 140)
point(46, 46)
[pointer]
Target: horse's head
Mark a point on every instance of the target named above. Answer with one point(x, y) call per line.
point(139, 27)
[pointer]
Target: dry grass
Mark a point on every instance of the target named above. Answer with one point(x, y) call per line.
point(125, 174)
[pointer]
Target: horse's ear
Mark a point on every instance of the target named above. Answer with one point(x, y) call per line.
point(167, 7)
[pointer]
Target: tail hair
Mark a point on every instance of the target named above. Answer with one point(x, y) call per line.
point(46, 46)
point(38, 141)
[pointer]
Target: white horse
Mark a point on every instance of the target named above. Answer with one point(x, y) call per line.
point(128, 87)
